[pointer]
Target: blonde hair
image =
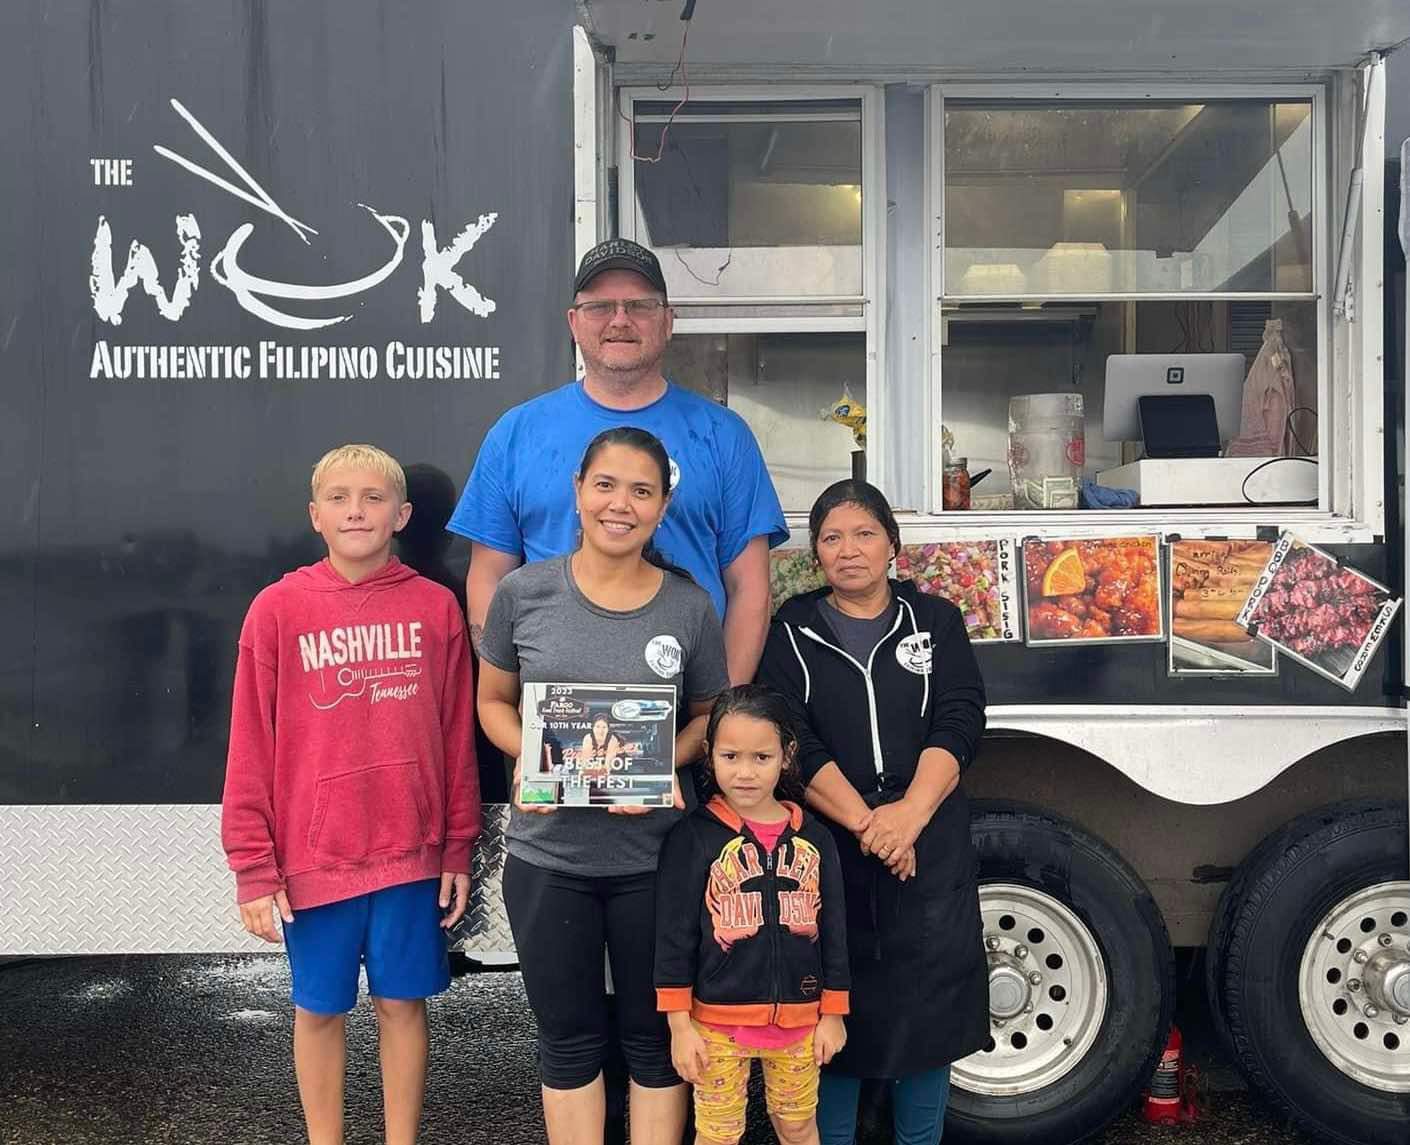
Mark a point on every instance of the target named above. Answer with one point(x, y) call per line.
point(360, 457)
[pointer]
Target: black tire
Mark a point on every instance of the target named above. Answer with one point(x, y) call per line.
point(1285, 887)
point(1029, 847)
point(1214, 966)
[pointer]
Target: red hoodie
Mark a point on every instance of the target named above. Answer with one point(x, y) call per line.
point(352, 753)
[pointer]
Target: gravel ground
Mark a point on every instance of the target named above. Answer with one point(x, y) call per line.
point(147, 1051)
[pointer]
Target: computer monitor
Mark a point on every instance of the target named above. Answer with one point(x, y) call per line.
point(1131, 376)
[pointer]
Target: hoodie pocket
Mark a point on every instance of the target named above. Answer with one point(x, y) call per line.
point(720, 965)
point(369, 811)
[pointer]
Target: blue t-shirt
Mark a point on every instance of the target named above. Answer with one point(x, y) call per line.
point(519, 498)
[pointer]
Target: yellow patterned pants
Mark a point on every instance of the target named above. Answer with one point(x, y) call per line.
point(790, 1084)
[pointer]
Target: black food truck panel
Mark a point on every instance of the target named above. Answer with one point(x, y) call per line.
point(162, 403)
point(161, 407)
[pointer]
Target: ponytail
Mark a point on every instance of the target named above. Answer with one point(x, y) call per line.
point(654, 556)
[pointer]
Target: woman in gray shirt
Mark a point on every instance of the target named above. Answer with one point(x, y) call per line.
point(578, 880)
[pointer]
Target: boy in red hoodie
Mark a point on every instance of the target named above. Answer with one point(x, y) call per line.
point(351, 793)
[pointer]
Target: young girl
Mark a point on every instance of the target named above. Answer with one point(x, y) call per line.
point(751, 949)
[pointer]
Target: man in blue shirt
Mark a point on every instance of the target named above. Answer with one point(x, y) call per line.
point(724, 515)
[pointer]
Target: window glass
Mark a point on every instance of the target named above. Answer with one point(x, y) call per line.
point(1092, 199)
point(752, 200)
point(791, 389)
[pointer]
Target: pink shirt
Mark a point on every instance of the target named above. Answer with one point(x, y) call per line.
point(772, 1036)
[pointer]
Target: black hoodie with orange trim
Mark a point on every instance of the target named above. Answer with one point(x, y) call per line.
point(745, 937)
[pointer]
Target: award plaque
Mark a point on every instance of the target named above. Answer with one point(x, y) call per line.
point(598, 745)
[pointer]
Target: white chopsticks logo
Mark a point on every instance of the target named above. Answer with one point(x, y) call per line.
point(261, 198)
point(438, 264)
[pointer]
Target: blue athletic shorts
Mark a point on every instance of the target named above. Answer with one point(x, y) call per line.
point(395, 932)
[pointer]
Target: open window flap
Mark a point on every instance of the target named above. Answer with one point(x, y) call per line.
point(981, 36)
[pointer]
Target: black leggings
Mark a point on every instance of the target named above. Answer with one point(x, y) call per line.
point(561, 923)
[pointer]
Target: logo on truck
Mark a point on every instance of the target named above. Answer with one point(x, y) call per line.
point(266, 298)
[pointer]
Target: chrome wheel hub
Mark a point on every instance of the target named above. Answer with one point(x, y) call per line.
point(1047, 992)
point(1354, 986)
point(1008, 991)
point(1386, 980)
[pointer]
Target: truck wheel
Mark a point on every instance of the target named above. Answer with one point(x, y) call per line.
point(1081, 984)
point(1311, 964)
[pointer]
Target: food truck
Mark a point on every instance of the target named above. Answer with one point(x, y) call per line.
point(1106, 297)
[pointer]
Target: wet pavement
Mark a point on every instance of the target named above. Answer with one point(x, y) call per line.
point(154, 1050)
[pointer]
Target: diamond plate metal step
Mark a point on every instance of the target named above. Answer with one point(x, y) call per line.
point(152, 879)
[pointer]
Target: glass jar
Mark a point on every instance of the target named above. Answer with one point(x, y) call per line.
point(954, 485)
point(1047, 449)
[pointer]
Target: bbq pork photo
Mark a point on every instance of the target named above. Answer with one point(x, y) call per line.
point(1326, 616)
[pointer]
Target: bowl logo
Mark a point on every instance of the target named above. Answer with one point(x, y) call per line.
point(664, 656)
point(914, 653)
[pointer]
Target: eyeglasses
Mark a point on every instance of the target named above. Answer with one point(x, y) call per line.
point(635, 307)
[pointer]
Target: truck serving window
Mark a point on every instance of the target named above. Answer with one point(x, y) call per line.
point(753, 200)
point(1097, 200)
point(865, 272)
point(797, 391)
point(1076, 229)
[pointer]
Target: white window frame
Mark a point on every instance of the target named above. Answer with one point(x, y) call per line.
point(795, 314)
point(1348, 440)
point(1350, 402)
point(1366, 425)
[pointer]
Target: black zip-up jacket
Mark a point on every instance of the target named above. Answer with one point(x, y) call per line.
point(747, 938)
point(921, 689)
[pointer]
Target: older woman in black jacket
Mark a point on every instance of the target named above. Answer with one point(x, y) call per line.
point(890, 703)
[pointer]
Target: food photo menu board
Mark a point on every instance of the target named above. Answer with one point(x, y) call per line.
point(979, 577)
point(1092, 591)
point(1326, 616)
point(1234, 606)
point(1210, 582)
point(792, 571)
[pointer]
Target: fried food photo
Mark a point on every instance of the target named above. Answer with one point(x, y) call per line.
point(1093, 589)
point(1210, 583)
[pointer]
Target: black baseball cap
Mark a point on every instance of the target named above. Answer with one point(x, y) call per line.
point(619, 254)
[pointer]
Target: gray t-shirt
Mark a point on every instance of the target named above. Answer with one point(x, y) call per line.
point(859, 635)
point(541, 626)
